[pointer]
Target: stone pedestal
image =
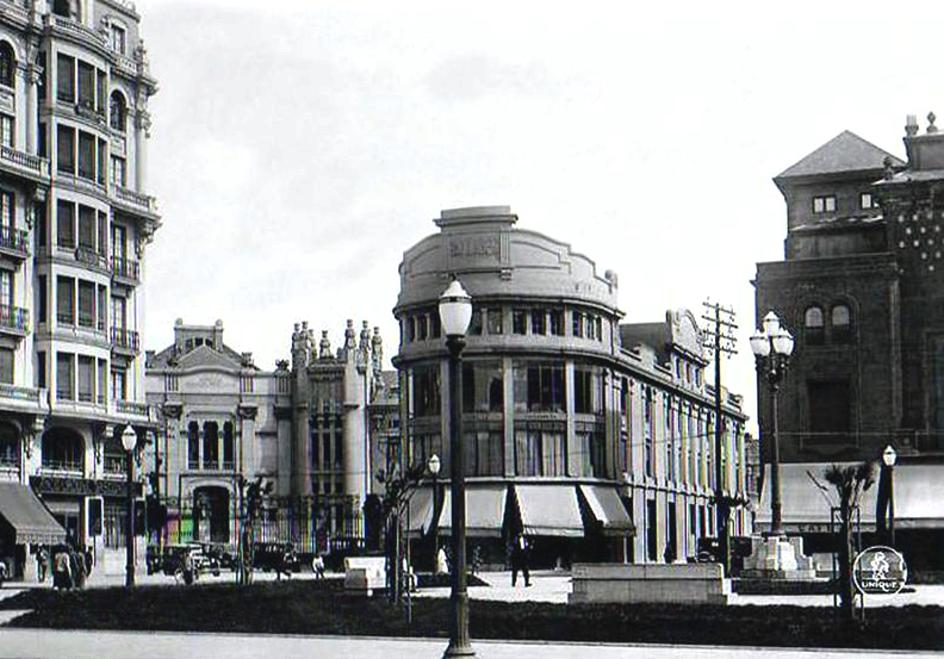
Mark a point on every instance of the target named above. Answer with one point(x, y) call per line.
point(683, 583)
point(778, 557)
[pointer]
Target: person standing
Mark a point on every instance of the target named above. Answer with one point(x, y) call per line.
point(520, 557)
point(80, 570)
point(61, 570)
point(42, 563)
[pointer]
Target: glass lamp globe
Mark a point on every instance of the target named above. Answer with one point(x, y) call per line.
point(455, 309)
point(783, 342)
point(129, 438)
point(434, 464)
point(771, 324)
point(889, 456)
point(760, 344)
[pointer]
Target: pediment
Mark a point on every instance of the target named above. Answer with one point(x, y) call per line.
point(205, 356)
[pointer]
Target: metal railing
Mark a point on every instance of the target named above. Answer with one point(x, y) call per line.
point(131, 407)
point(89, 256)
point(125, 339)
point(78, 30)
point(68, 466)
point(114, 464)
point(125, 268)
point(19, 393)
point(144, 201)
point(13, 239)
point(14, 318)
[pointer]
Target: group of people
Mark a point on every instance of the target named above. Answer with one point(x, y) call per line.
point(70, 567)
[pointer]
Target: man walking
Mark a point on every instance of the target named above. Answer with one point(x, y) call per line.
point(520, 555)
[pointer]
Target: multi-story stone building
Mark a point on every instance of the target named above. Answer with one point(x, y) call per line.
point(861, 289)
point(305, 427)
point(75, 216)
point(577, 430)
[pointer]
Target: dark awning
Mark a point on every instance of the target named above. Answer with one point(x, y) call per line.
point(30, 520)
point(608, 509)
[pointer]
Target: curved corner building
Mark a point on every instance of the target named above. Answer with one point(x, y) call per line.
point(587, 435)
point(76, 216)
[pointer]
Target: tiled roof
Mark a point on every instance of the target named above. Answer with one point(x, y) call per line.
point(847, 152)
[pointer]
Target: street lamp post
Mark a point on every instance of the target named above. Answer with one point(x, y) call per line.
point(434, 465)
point(129, 440)
point(772, 348)
point(455, 312)
point(889, 457)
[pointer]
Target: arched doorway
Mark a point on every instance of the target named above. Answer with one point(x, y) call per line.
point(9, 447)
point(211, 514)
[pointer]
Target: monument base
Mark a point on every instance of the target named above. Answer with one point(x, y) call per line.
point(778, 557)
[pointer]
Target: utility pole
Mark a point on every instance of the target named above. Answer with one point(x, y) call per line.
point(719, 334)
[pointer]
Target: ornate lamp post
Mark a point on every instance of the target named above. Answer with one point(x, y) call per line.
point(129, 440)
point(455, 312)
point(772, 348)
point(889, 457)
point(433, 465)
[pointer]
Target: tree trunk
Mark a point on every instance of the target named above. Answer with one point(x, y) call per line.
point(846, 592)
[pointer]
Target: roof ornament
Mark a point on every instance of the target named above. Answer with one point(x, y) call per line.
point(324, 346)
point(889, 168)
point(931, 127)
point(911, 125)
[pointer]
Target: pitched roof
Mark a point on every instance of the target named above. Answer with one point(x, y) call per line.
point(847, 152)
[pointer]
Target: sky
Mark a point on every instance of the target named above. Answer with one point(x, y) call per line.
point(299, 148)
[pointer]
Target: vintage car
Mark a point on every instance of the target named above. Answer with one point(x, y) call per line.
point(279, 556)
point(176, 559)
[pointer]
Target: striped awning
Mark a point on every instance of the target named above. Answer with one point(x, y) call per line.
point(30, 520)
point(607, 509)
point(549, 510)
point(484, 510)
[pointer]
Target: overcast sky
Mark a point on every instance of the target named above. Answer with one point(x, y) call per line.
point(299, 148)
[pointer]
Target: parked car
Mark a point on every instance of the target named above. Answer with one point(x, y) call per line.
point(176, 558)
point(280, 556)
point(224, 555)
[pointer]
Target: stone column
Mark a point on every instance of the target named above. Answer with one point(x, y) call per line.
point(141, 135)
point(32, 103)
point(247, 440)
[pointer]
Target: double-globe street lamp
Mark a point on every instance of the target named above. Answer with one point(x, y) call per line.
point(129, 441)
point(772, 348)
point(455, 313)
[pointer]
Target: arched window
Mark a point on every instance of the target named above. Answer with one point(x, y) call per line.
point(193, 445)
point(64, 450)
point(813, 323)
point(211, 445)
point(7, 64)
point(841, 319)
point(117, 112)
point(229, 454)
point(62, 8)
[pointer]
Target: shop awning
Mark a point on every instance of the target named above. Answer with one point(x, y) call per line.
point(484, 510)
point(549, 510)
point(607, 508)
point(419, 514)
point(31, 522)
point(805, 507)
point(918, 493)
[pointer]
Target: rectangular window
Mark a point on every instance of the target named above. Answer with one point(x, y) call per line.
point(41, 369)
point(588, 394)
point(519, 321)
point(426, 387)
point(65, 300)
point(101, 308)
point(65, 224)
point(41, 304)
point(6, 365)
point(102, 233)
point(86, 155)
point(484, 454)
point(824, 204)
point(494, 318)
point(545, 388)
point(102, 162)
point(86, 85)
point(118, 240)
point(118, 385)
point(482, 387)
point(65, 150)
point(475, 325)
point(6, 210)
point(557, 322)
point(86, 304)
point(65, 376)
point(102, 383)
point(866, 201)
point(118, 312)
point(6, 292)
point(6, 130)
point(648, 428)
point(86, 379)
point(101, 92)
point(538, 321)
point(118, 39)
point(65, 79)
point(539, 452)
point(87, 228)
point(578, 324)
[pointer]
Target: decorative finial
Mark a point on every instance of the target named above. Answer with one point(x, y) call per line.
point(911, 125)
point(889, 168)
point(931, 127)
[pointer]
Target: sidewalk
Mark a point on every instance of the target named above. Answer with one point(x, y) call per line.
point(162, 645)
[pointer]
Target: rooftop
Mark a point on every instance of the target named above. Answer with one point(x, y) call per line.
point(847, 152)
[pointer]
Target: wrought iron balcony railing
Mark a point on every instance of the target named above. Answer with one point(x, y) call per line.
point(125, 268)
point(14, 319)
point(13, 240)
point(124, 339)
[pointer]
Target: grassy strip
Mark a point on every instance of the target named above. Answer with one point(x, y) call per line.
point(308, 607)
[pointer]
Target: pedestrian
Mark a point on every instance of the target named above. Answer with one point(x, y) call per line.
point(89, 561)
point(61, 570)
point(42, 563)
point(284, 561)
point(520, 557)
point(442, 564)
point(318, 566)
point(80, 569)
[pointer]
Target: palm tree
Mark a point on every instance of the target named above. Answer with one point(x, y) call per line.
point(849, 482)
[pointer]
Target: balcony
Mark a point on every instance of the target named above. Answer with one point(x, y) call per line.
point(131, 407)
point(55, 467)
point(125, 341)
point(92, 259)
point(68, 27)
point(135, 202)
point(14, 320)
point(13, 242)
point(115, 465)
point(125, 270)
point(24, 164)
